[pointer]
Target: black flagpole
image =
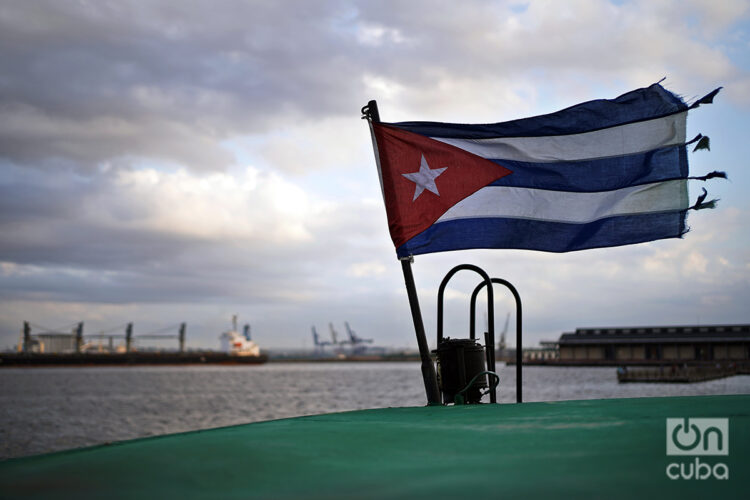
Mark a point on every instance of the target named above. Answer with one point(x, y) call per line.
point(428, 368)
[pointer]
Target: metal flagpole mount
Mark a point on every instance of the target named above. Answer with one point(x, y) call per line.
point(370, 111)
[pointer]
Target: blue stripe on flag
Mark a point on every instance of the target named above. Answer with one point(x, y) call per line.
point(598, 175)
point(544, 235)
point(638, 105)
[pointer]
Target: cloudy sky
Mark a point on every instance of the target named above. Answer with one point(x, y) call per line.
point(165, 161)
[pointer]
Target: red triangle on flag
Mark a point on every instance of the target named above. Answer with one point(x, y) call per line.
point(411, 202)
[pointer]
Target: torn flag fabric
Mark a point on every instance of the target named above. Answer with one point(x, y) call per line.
point(599, 174)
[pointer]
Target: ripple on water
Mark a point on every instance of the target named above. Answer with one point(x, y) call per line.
point(49, 409)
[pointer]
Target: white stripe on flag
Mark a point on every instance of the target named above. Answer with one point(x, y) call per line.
point(562, 206)
point(614, 141)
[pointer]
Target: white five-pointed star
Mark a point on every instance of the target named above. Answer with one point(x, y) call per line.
point(425, 178)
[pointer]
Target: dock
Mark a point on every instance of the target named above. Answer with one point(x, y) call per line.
point(675, 374)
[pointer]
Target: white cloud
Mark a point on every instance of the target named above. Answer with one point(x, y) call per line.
point(314, 146)
point(381, 86)
point(376, 35)
point(366, 269)
point(250, 205)
point(712, 18)
point(695, 262)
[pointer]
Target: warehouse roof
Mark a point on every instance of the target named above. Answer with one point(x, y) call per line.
point(658, 334)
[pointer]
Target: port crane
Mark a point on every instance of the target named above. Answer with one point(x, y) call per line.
point(501, 344)
point(319, 344)
point(334, 335)
point(355, 341)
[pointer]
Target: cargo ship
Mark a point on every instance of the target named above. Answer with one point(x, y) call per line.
point(236, 349)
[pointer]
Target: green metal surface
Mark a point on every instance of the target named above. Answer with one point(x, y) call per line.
point(579, 449)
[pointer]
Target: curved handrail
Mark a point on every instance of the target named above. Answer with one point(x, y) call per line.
point(490, 349)
point(519, 326)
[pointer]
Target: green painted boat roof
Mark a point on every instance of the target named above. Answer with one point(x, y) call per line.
point(613, 448)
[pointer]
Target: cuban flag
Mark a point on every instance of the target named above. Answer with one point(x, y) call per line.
point(599, 174)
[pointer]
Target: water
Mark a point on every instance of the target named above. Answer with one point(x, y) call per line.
point(50, 409)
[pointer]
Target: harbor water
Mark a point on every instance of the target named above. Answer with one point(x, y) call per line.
point(51, 409)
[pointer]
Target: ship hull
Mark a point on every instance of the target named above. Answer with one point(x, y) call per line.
point(128, 359)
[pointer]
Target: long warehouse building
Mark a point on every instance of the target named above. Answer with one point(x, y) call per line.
point(658, 344)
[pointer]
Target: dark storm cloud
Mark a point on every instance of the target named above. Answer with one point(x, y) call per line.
point(88, 82)
point(91, 81)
